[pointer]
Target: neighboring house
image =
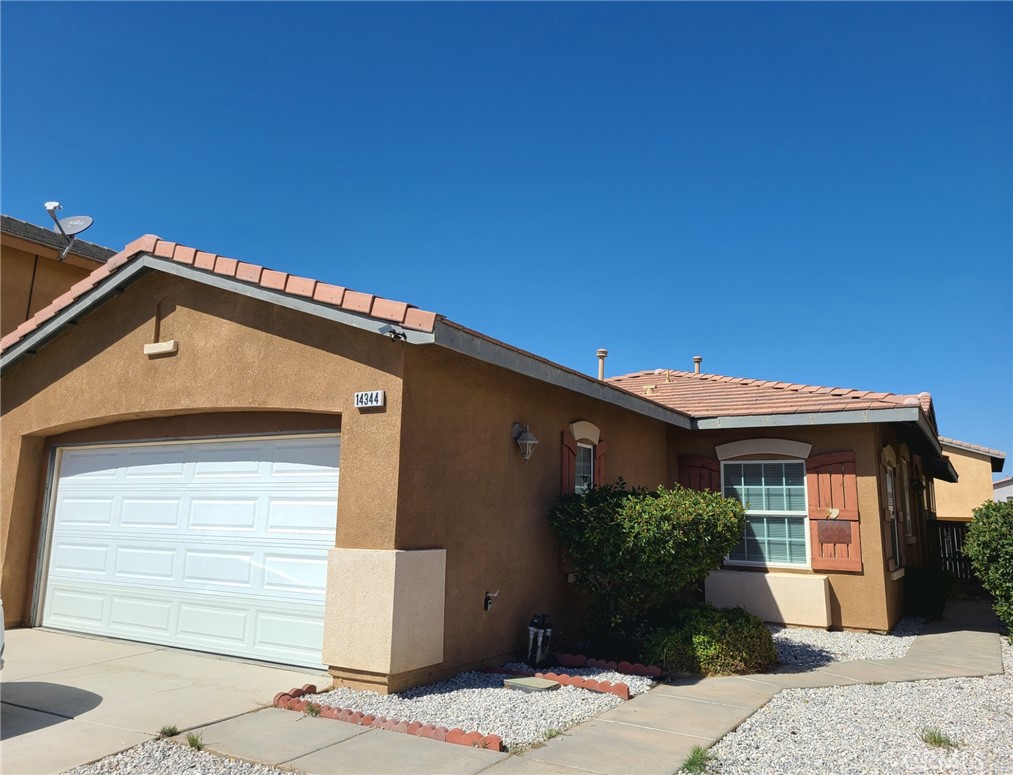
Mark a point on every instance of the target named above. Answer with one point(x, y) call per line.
point(974, 465)
point(31, 274)
point(1002, 490)
point(173, 426)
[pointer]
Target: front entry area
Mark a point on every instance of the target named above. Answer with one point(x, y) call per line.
point(212, 545)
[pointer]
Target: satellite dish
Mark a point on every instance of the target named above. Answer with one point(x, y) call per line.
point(68, 227)
point(75, 224)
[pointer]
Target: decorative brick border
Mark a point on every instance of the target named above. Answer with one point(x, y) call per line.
point(579, 660)
point(291, 700)
point(620, 690)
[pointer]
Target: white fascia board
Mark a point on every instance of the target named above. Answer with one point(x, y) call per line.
point(115, 283)
point(900, 414)
point(467, 343)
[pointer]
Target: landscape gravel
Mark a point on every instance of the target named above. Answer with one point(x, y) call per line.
point(478, 702)
point(877, 729)
point(162, 756)
point(814, 648)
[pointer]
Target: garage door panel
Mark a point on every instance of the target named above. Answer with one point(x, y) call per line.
point(85, 511)
point(218, 546)
point(139, 562)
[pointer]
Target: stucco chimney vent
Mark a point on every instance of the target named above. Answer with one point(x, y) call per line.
point(602, 355)
point(697, 360)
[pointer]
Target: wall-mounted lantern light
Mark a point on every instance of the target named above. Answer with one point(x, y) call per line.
point(526, 440)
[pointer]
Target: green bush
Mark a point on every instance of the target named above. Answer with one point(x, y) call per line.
point(712, 641)
point(633, 549)
point(989, 546)
point(926, 592)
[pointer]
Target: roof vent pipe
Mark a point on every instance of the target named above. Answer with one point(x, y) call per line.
point(602, 355)
point(697, 360)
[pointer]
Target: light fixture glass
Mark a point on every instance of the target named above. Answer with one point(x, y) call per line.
point(526, 440)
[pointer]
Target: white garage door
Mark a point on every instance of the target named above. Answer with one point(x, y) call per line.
point(217, 546)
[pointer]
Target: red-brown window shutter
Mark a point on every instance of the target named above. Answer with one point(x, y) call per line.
point(834, 529)
point(568, 463)
point(599, 463)
point(699, 473)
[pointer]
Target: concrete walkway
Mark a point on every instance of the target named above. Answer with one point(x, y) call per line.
point(655, 732)
point(69, 700)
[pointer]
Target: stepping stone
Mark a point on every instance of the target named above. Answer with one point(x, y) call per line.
point(530, 684)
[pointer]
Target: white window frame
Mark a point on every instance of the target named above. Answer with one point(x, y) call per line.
point(905, 483)
point(578, 487)
point(891, 485)
point(761, 513)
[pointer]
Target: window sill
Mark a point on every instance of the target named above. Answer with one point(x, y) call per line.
point(897, 575)
point(763, 565)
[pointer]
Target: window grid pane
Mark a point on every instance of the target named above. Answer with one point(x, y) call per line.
point(770, 492)
point(584, 469)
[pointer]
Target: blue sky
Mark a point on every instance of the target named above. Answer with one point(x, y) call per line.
point(818, 193)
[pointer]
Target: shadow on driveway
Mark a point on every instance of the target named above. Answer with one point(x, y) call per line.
point(18, 715)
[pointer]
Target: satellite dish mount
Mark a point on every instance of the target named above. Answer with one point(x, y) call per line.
point(68, 227)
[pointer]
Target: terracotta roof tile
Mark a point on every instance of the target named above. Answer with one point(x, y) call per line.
point(329, 294)
point(714, 395)
point(183, 254)
point(249, 273)
point(359, 302)
point(300, 286)
point(305, 287)
point(273, 279)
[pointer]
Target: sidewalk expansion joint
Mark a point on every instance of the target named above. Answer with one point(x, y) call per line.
point(656, 729)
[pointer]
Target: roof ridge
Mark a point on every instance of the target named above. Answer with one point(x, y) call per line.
point(399, 312)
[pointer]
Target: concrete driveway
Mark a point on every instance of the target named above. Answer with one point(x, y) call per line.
point(67, 700)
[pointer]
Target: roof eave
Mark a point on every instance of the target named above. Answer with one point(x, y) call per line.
point(795, 419)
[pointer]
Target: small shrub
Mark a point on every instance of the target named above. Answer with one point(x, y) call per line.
point(169, 730)
point(633, 549)
point(195, 740)
point(926, 592)
point(938, 739)
point(697, 760)
point(712, 641)
point(989, 546)
point(311, 709)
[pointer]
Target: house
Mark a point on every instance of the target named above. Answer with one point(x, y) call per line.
point(175, 422)
point(1002, 490)
point(32, 275)
point(974, 465)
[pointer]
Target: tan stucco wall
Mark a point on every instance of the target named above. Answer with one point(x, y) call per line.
point(857, 600)
point(465, 487)
point(973, 486)
point(17, 285)
point(235, 354)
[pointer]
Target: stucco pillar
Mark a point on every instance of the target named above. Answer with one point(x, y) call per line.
point(384, 614)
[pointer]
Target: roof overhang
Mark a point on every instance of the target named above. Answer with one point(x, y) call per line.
point(446, 334)
point(941, 468)
point(115, 283)
point(910, 421)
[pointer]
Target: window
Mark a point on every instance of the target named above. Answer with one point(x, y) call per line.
point(585, 468)
point(905, 483)
point(774, 494)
